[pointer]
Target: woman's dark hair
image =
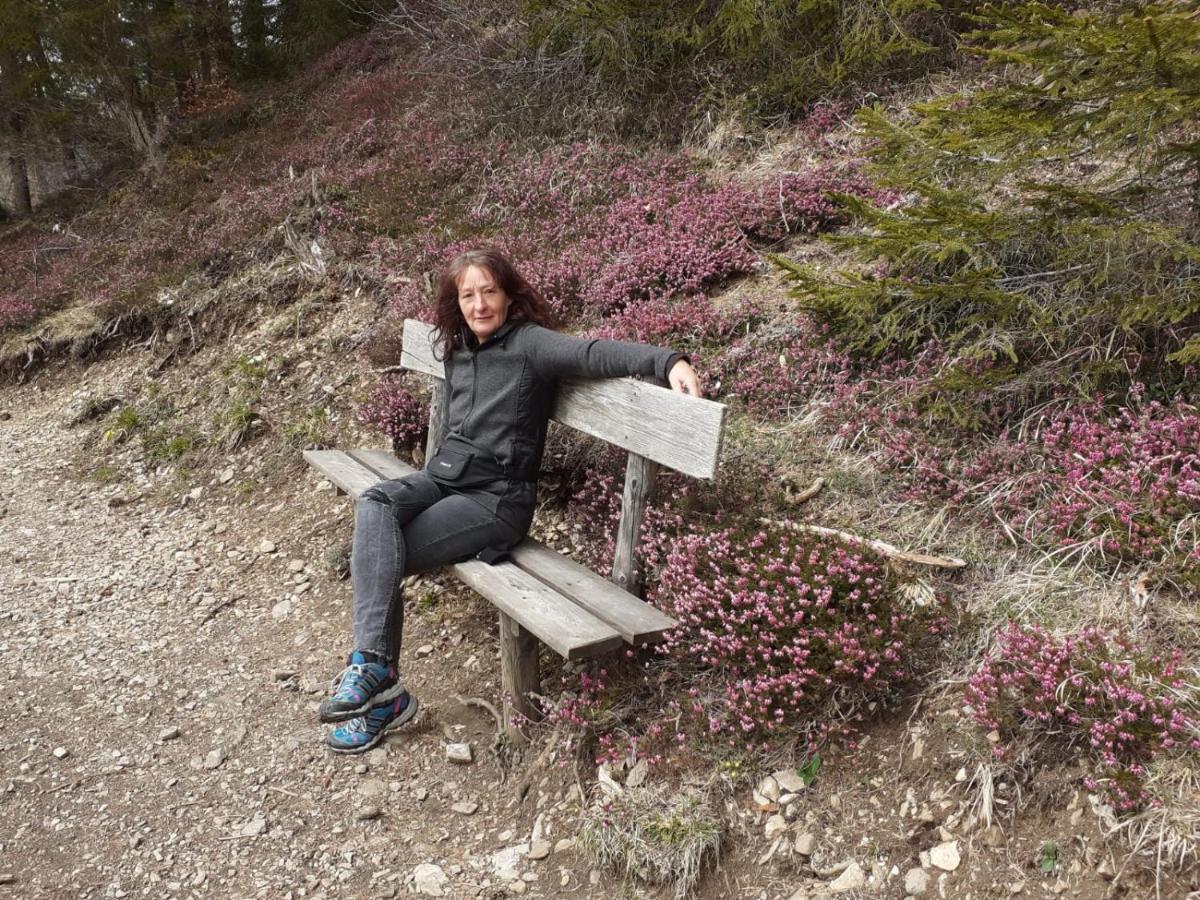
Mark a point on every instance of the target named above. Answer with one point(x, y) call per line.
point(525, 303)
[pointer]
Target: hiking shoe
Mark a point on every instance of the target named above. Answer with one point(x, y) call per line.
point(364, 732)
point(362, 685)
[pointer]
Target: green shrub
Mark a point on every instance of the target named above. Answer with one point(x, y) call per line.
point(779, 55)
point(1051, 222)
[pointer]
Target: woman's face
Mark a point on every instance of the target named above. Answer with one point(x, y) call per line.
point(483, 303)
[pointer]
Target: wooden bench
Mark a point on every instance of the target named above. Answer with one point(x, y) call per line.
point(541, 594)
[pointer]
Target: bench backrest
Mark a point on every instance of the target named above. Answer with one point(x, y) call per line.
point(681, 432)
point(655, 424)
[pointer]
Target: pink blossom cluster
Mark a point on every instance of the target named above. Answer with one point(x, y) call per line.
point(786, 618)
point(392, 409)
point(1095, 691)
point(1122, 483)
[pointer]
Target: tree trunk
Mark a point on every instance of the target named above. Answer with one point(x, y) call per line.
point(254, 32)
point(18, 172)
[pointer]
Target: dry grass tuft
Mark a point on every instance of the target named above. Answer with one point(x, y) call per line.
point(662, 839)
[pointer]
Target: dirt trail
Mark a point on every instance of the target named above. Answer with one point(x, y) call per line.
point(163, 652)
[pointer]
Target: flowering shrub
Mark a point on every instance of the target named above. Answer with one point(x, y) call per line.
point(396, 412)
point(787, 618)
point(1120, 484)
point(775, 626)
point(1095, 690)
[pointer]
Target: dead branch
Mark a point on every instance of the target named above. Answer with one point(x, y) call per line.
point(880, 547)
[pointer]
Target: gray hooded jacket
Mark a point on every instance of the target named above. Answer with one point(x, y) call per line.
point(498, 401)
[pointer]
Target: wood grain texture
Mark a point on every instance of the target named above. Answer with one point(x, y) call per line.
point(640, 475)
point(437, 425)
point(343, 470)
point(570, 630)
point(682, 432)
point(383, 462)
point(635, 620)
point(518, 673)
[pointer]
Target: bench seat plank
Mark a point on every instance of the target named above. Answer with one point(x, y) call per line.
point(635, 620)
point(342, 469)
point(571, 630)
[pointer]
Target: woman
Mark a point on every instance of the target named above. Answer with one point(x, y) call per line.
point(476, 495)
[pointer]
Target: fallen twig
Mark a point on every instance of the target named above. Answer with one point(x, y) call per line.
point(881, 547)
point(809, 492)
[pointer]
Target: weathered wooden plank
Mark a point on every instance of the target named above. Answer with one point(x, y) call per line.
point(416, 349)
point(635, 620)
point(343, 470)
point(383, 462)
point(640, 475)
point(682, 432)
point(518, 674)
point(570, 630)
point(437, 424)
point(673, 429)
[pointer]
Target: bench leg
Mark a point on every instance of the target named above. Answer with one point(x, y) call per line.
point(518, 673)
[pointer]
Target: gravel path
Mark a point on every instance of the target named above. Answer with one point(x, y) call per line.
point(163, 651)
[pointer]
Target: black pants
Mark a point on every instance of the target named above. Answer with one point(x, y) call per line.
point(409, 525)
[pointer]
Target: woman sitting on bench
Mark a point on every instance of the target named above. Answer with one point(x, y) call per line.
point(476, 495)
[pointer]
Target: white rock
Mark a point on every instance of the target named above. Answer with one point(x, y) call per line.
point(265, 546)
point(769, 789)
point(608, 784)
point(789, 780)
point(253, 828)
point(371, 787)
point(61, 752)
point(916, 882)
point(430, 880)
point(367, 813)
point(424, 650)
point(539, 849)
point(564, 844)
point(282, 609)
point(806, 843)
point(459, 753)
point(517, 887)
point(945, 856)
point(214, 758)
point(776, 825)
point(169, 734)
point(226, 476)
point(637, 775)
point(465, 807)
point(850, 880)
point(506, 863)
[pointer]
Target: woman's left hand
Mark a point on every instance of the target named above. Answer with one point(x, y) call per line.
point(683, 379)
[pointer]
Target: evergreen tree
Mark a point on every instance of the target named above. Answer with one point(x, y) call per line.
point(1052, 217)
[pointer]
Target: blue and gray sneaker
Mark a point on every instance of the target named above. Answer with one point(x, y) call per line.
point(363, 684)
point(365, 732)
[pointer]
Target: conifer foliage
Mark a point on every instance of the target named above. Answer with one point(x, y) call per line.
point(1051, 227)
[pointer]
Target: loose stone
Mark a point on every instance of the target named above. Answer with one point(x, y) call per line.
point(945, 856)
point(916, 882)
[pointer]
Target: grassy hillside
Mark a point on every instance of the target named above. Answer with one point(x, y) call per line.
point(260, 273)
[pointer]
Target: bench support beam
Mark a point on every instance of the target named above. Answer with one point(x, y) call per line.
point(518, 674)
point(437, 424)
point(640, 476)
